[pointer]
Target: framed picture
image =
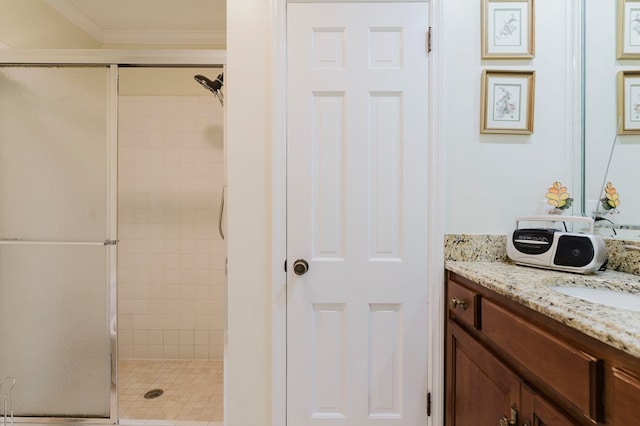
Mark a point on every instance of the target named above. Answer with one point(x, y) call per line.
point(507, 102)
point(629, 102)
point(507, 29)
point(628, 29)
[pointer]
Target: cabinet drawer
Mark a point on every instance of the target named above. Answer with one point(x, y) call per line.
point(574, 374)
point(463, 305)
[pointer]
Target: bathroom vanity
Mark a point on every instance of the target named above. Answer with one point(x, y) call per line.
point(520, 353)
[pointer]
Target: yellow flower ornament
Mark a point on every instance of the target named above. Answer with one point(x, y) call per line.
point(611, 199)
point(559, 198)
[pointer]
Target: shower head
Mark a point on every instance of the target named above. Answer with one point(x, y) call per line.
point(214, 86)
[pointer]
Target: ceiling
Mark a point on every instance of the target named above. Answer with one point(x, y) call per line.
point(148, 21)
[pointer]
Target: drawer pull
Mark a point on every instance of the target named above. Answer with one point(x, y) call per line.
point(455, 302)
point(505, 422)
point(514, 418)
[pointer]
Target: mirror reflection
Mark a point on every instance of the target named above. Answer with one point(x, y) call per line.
point(601, 118)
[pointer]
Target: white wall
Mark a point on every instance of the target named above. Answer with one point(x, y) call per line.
point(248, 129)
point(491, 179)
point(141, 81)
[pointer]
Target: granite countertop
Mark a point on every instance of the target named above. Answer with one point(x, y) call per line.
point(531, 287)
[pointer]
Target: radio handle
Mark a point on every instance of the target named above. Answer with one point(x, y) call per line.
point(555, 218)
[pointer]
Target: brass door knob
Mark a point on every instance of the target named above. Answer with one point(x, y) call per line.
point(300, 267)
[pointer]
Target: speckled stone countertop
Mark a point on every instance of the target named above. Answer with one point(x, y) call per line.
point(531, 287)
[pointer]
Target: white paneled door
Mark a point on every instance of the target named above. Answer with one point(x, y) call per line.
point(357, 214)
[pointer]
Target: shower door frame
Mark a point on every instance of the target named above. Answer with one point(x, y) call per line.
point(113, 58)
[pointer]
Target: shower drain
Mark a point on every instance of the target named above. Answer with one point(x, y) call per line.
point(153, 394)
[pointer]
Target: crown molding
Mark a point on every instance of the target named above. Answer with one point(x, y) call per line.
point(76, 16)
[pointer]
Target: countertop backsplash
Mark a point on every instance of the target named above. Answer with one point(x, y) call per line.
point(493, 248)
point(621, 259)
point(475, 247)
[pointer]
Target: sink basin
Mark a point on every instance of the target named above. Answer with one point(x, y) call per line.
point(616, 299)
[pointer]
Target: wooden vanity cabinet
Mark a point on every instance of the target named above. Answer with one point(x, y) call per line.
point(481, 389)
point(506, 361)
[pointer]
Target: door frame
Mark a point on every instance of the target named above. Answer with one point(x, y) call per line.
point(435, 261)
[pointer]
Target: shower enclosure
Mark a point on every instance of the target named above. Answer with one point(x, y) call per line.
point(56, 240)
point(58, 228)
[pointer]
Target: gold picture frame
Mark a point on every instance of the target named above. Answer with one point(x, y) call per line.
point(508, 29)
point(507, 102)
point(628, 43)
point(629, 102)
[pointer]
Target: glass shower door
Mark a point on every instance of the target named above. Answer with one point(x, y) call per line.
point(55, 337)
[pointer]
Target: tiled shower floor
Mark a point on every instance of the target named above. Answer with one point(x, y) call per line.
point(193, 392)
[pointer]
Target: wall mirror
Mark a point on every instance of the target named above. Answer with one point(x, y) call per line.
point(601, 67)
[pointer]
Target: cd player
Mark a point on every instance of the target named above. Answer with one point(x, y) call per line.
point(552, 248)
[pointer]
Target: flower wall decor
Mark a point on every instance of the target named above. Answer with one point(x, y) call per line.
point(611, 199)
point(559, 198)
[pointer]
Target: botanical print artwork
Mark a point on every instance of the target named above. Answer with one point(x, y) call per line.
point(634, 92)
point(507, 100)
point(634, 26)
point(508, 27)
point(629, 102)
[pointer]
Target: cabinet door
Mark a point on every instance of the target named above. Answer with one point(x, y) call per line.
point(536, 411)
point(626, 398)
point(480, 389)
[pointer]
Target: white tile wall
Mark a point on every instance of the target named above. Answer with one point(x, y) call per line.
point(170, 258)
